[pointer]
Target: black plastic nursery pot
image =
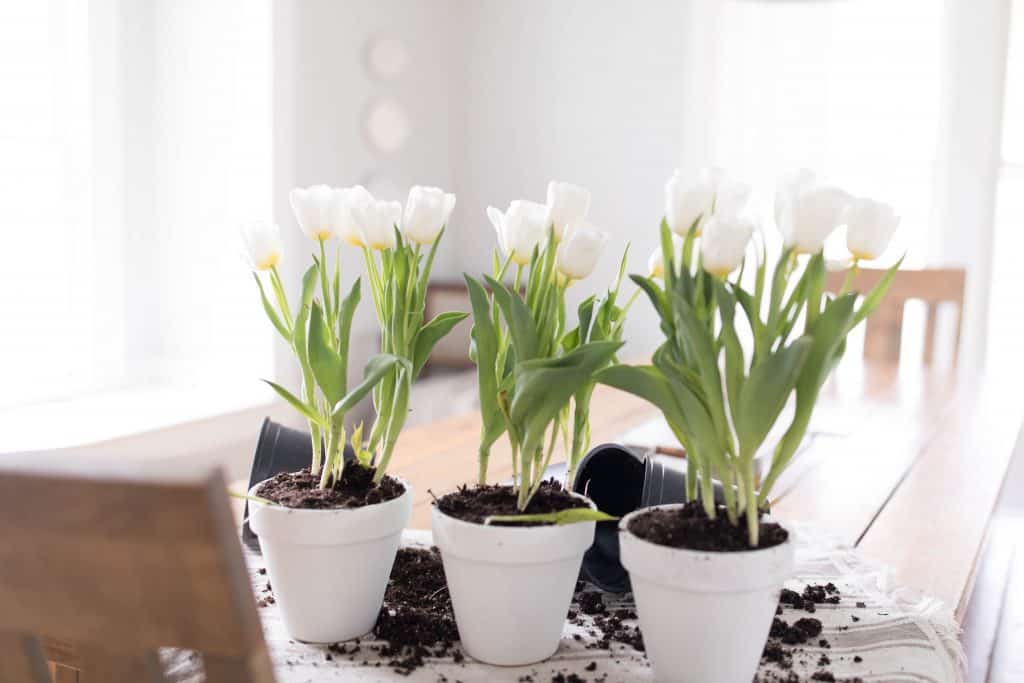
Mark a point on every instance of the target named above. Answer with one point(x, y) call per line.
point(278, 449)
point(620, 479)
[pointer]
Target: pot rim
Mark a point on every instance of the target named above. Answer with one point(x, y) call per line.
point(277, 507)
point(623, 527)
point(544, 528)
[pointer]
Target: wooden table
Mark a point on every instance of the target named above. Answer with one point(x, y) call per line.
point(912, 481)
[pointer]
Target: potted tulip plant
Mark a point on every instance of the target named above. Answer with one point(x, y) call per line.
point(329, 534)
point(512, 552)
point(706, 575)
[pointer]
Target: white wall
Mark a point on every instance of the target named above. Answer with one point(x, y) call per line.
point(322, 90)
point(589, 93)
point(502, 96)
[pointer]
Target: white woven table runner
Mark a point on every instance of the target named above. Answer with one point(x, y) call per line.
point(896, 636)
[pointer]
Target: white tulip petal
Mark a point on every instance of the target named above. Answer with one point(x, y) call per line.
point(345, 200)
point(690, 206)
point(263, 246)
point(426, 213)
point(579, 250)
point(724, 243)
point(567, 203)
point(376, 221)
point(870, 226)
point(313, 210)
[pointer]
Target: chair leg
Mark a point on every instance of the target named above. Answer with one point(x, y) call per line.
point(64, 674)
point(21, 659)
point(100, 666)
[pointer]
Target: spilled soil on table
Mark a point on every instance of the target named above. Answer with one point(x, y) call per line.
point(480, 502)
point(690, 527)
point(355, 489)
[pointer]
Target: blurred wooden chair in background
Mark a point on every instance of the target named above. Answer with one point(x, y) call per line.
point(933, 286)
point(96, 574)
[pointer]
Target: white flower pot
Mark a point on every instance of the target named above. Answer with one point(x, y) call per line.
point(704, 615)
point(329, 568)
point(510, 586)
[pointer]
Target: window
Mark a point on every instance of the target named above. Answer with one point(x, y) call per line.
point(133, 139)
point(1006, 312)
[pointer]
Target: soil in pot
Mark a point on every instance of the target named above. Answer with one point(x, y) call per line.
point(355, 489)
point(480, 502)
point(690, 527)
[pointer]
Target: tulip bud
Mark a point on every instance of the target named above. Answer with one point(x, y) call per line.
point(579, 250)
point(566, 204)
point(724, 243)
point(869, 228)
point(426, 212)
point(377, 220)
point(687, 207)
point(656, 262)
point(263, 246)
point(345, 227)
point(520, 229)
point(807, 213)
point(313, 207)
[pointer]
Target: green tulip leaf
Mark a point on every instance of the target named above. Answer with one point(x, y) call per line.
point(309, 413)
point(430, 334)
point(570, 516)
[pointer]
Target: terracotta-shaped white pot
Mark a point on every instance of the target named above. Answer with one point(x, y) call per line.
point(329, 568)
point(510, 586)
point(704, 615)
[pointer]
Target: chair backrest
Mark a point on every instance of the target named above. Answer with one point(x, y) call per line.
point(933, 286)
point(97, 573)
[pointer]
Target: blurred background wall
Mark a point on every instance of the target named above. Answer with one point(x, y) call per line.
point(136, 136)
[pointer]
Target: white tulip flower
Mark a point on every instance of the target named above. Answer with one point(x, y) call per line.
point(520, 229)
point(870, 226)
point(724, 243)
point(567, 204)
point(579, 249)
point(806, 213)
point(345, 200)
point(656, 261)
point(426, 212)
point(314, 211)
point(376, 221)
point(263, 247)
point(687, 206)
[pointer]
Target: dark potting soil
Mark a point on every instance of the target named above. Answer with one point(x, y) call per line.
point(480, 502)
point(417, 609)
point(356, 489)
point(689, 527)
point(786, 640)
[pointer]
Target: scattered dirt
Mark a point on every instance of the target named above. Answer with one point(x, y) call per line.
point(417, 609)
point(356, 489)
point(785, 640)
point(690, 527)
point(477, 503)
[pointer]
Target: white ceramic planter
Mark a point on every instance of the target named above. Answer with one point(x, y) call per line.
point(510, 586)
point(329, 568)
point(704, 615)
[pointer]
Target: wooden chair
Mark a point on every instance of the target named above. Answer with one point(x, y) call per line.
point(933, 286)
point(97, 573)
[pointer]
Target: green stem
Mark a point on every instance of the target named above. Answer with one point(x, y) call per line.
point(482, 456)
point(850, 275)
point(282, 299)
point(753, 523)
point(325, 288)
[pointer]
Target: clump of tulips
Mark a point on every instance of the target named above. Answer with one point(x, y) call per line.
point(398, 247)
point(535, 369)
point(741, 337)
